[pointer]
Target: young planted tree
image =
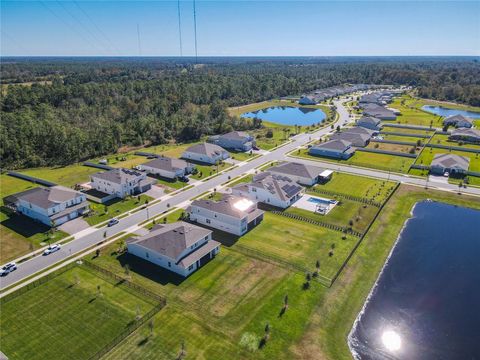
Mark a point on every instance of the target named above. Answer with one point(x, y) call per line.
point(317, 268)
point(183, 351)
point(150, 327)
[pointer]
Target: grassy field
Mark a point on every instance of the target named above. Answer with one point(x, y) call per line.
point(443, 140)
point(19, 234)
point(405, 149)
point(68, 317)
point(412, 114)
point(361, 186)
point(332, 320)
point(427, 155)
point(205, 171)
point(366, 159)
point(103, 212)
point(404, 138)
point(407, 131)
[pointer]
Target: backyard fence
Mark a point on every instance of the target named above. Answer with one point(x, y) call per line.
point(414, 127)
point(342, 229)
point(147, 154)
point(448, 147)
point(404, 134)
point(344, 196)
point(31, 178)
point(98, 166)
point(396, 142)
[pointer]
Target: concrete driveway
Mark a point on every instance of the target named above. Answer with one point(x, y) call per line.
point(73, 226)
point(155, 192)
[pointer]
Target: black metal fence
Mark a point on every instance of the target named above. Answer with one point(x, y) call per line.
point(98, 166)
point(386, 152)
point(345, 196)
point(31, 178)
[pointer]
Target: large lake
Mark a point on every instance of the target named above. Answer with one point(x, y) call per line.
point(288, 115)
point(426, 302)
point(441, 111)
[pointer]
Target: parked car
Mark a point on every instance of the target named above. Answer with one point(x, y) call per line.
point(51, 249)
point(112, 222)
point(8, 268)
point(184, 179)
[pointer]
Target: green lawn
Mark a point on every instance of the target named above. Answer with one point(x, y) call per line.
point(412, 114)
point(205, 171)
point(443, 140)
point(68, 319)
point(407, 131)
point(114, 208)
point(404, 149)
point(299, 243)
point(366, 159)
point(66, 175)
point(403, 138)
point(364, 187)
point(244, 179)
point(19, 234)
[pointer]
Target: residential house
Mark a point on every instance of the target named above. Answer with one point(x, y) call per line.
point(233, 214)
point(299, 172)
point(307, 100)
point(51, 206)
point(378, 111)
point(465, 134)
point(271, 189)
point(166, 167)
point(206, 153)
point(337, 149)
point(449, 163)
point(120, 183)
point(370, 122)
point(234, 140)
point(459, 121)
point(179, 247)
point(356, 139)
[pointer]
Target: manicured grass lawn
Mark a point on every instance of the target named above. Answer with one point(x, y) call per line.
point(404, 138)
point(19, 234)
point(278, 135)
point(412, 114)
point(114, 208)
point(443, 140)
point(167, 219)
point(360, 215)
point(332, 320)
point(361, 186)
point(245, 179)
point(406, 131)
point(66, 319)
point(366, 159)
point(205, 171)
point(241, 156)
point(66, 175)
point(299, 243)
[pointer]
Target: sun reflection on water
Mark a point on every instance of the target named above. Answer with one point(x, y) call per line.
point(391, 340)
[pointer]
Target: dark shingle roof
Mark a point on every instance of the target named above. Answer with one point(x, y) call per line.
point(336, 145)
point(168, 164)
point(47, 197)
point(224, 206)
point(451, 160)
point(297, 169)
point(118, 176)
point(206, 149)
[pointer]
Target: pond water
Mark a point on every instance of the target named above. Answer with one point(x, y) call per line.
point(445, 112)
point(426, 302)
point(288, 115)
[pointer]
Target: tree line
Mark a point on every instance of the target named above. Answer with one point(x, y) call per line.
point(93, 107)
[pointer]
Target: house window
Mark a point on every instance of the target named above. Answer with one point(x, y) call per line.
point(169, 264)
point(190, 267)
point(208, 221)
point(254, 190)
point(146, 255)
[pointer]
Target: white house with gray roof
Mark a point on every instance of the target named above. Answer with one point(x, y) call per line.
point(166, 167)
point(206, 153)
point(299, 172)
point(459, 121)
point(465, 134)
point(120, 182)
point(370, 122)
point(271, 189)
point(234, 140)
point(337, 149)
point(51, 206)
point(449, 163)
point(233, 214)
point(179, 247)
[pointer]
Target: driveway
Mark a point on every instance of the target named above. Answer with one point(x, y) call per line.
point(73, 226)
point(155, 192)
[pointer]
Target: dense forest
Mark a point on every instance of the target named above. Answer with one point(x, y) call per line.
point(77, 108)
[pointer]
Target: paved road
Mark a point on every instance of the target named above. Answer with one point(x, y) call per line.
point(81, 243)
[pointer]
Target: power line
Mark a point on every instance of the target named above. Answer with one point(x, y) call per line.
point(179, 27)
point(94, 37)
point(138, 37)
point(195, 30)
point(110, 43)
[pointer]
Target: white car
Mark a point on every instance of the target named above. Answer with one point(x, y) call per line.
point(51, 249)
point(7, 269)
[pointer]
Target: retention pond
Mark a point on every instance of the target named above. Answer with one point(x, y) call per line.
point(426, 301)
point(288, 115)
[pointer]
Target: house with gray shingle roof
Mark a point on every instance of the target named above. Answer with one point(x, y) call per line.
point(271, 189)
point(449, 163)
point(465, 134)
point(378, 111)
point(359, 139)
point(233, 214)
point(307, 100)
point(234, 140)
point(299, 172)
point(120, 182)
point(166, 167)
point(179, 247)
point(206, 153)
point(370, 122)
point(459, 121)
point(337, 149)
point(51, 206)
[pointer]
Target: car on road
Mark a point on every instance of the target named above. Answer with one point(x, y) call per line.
point(112, 222)
point(8, 268)
point(51, 249)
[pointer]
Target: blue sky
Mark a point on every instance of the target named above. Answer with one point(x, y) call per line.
point(242, 28)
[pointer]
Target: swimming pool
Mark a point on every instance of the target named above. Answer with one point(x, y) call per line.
point(321, 201)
